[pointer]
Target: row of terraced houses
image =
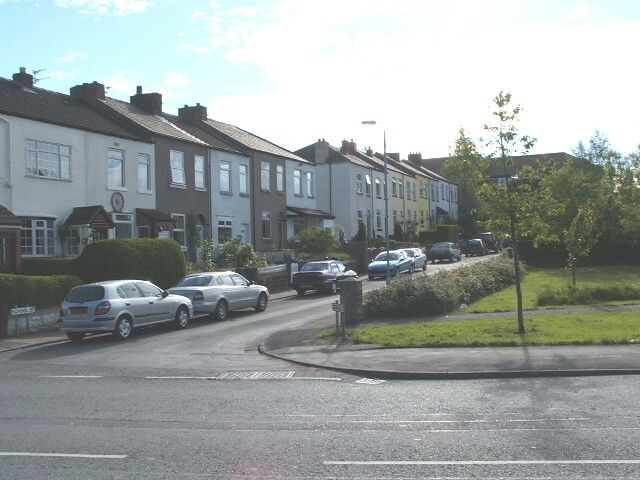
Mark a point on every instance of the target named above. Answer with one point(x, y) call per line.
point(79, 167)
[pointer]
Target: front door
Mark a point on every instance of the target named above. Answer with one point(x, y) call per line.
point(7, 261)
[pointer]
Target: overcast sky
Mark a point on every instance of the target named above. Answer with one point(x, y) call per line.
point(294, 71)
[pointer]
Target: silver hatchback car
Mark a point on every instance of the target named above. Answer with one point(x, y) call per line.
point(217, 293)
point(119, 306)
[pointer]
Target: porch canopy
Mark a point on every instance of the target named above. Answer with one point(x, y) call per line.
point(95, 216)
point(309, 212)
point(154, 219)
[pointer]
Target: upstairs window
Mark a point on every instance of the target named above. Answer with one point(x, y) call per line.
point(225, 177)
point(359, 183)
point(394, 187)
point(115, 168)
point(49, 160)
point(310, 189)
point(378, 189)
point(144, 172)
point(297, 183)
point(280, 178)
point(243, 177)
point(199, 171)
point(177, 167)
point(265, 174)
point(367, 186)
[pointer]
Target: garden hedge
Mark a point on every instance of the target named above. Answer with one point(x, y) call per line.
point(160, 261)
point(443, 292)
point(41, 292)
point(49, 266)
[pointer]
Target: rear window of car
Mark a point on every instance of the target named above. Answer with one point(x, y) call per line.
point(440, 245)
point(411, 253)
point(85, 293)
point(196, 281)
point(314, 267)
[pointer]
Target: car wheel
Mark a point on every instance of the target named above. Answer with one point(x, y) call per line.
point(123, 328)
point(300, 292)
point(333, 287)
point(411, 268)
point(261, 306)
point(182, 317)
point(460, 257)
point(371, 277)
point(75, 336)
point(424, 266)
point(220, 313)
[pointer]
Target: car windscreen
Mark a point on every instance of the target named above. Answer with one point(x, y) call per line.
point(411, 253)
point(314, 267)
point(383, 256)
point(85, 293)
point(440, 245)
point(196, 281)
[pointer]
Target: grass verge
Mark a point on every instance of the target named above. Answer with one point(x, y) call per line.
point(564, 329)
point(536, 282)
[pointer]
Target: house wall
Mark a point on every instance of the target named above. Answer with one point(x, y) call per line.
point(233, 206)
point(303, 200)
point(5, 170)
point(186, 201)
point(270, 201)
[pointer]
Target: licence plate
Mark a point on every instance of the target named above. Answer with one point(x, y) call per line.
point(78, 310)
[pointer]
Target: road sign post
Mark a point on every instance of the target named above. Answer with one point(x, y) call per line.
point(339, 309)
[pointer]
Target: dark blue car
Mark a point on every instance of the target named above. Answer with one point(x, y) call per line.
point(399, 262)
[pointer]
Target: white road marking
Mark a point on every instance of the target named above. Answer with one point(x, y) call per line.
point(438, 463)
point(181, 378)
point(63, 455)
point(232, 376)
point(331, 379)
point(370, 381)
point(70, 376)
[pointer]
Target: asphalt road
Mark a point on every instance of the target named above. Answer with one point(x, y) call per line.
point(202, 403)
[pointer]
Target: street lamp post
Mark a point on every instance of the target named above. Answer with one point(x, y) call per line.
point(386, 196)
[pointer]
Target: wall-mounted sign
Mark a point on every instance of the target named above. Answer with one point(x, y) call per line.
point(117, 201)
point(22, 311)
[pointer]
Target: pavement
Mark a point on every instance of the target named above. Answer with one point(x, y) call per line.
point(301, 346)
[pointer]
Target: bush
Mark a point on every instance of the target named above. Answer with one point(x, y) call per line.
point(236, 254)
point(307, 257)
point(49, 266)
point(42, 292)
point(442, 233)
point(318, 241)
point(160, 261)
point(440, 293)
point(588, 295)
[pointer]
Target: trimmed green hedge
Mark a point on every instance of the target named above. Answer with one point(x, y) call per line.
point(42, 292)
point(160, 261)
point(442, 233)
point(49, 266)
point(585, 295)
point(443, 292)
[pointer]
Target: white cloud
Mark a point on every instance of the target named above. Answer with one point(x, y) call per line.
point(582, 11)
point(122, 85)
point(105, 7)
point(71, 56)
point(195, 48)
point(176, 80)
point(423, 69)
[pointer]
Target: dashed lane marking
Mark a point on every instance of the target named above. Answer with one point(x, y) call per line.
point(63, 455)
point(483, 462)
point(70, 376)
point(370, 381)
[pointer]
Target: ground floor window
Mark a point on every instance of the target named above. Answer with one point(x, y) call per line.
point(37, 237)
point(379, 219)
point(143, 232)
point(179, 230)
point(266, 225)
point(124, 227)
point(299, 224)
point(224, 230)
point(72, 246)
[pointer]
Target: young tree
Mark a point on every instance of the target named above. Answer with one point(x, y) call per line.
point(318, 241)
point(508, 205)
point(467, 168)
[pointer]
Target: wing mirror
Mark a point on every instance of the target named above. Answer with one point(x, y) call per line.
point(165, 294)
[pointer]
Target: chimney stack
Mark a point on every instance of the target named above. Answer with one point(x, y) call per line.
point(150, 102)
point(394, 156)
point(89, 92)
point(198, 113)
point(24, 79)
point(415, 158)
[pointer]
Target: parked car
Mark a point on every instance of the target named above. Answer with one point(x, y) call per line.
point(321, 275)
point(445, 251)
point(399, 262)
point(475, 246)
point(119, 306)
point(490, 241)
point(218, 293)
point(418, 257)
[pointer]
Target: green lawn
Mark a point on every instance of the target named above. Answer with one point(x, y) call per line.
point(566, 329)
point(537, 280)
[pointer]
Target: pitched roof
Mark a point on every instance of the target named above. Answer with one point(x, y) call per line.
point(201, 133)
point(94, 214)
point(251, 141)
point(7, 217)
point(155, 124)
point(519, 161)
point(310, 212)
point(155, 215)
point(58, 109)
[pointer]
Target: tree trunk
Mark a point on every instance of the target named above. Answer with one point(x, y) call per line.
point(516, 266)
point(573, 274)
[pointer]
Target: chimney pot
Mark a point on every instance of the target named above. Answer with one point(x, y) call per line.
point(24, 79)
point(197, 113)
point(23, 70)
point(138, 89)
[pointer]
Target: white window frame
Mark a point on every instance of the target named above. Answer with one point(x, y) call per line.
point(225, 171)
point(378, 188)
point(122, 219)
point(367, 185)
point(310, 187)
point(142, 158)
point(266, 217)
point(394, 187)
point(176, 161)
point(359, 183)
point(297, 182)
point(43, 225)
point(183, 230)
point(378, 219)
point(280, 178)
point(122, 184)
point(243, 178)
point(199, 174)
point(226, 223)
point(39, 151)
point(265, 176)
